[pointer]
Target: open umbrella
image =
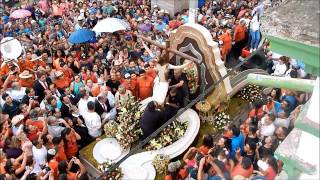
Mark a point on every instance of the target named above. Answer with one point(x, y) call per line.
point(110, 25)
point(20, 13)
point(81, 36)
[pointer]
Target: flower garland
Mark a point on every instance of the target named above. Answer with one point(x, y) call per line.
point(251, 93)
point(221, 120)
point(115, 174)
point(192, 77)
point(169, 135)
point(126, 130)
point(160, 163)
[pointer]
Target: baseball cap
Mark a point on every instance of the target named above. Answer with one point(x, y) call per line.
point(127, 76)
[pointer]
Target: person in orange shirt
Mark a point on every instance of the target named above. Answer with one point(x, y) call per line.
point(130, 85)
point(150, 71)
point(61, 81)
point(68, 73)
point(7, 66)
point(35, 125)
point(26, 79)
point(145, 85)
point(207, 144)
point(59, 146)
point(239, 37)
point(227, 41)
point(52, 162)
point(70, 138)
point(37, 61)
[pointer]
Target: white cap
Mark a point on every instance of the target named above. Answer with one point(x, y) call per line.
point(263, 165)
point(80, 18)
point(16, 119)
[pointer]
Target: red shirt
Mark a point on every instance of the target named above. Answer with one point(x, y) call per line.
point(145, 86)
point(238, 170)
point(72, 146)
point(37, 126)
point(240, 33)
point(227, 42)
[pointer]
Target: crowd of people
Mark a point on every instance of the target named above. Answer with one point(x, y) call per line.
point(56, 97)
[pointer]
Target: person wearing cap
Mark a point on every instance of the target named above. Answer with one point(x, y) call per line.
point(130, 85)
point(175, 171)
point(61, 81)
point(35, 62)
point(92, 20)
point(52, 162)
point(268, 169)
point(144, 85)
point(17, 124)
point(26, 79)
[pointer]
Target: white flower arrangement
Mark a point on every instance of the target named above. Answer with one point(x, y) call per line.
point(160, 163)
point(126, 128)
point(169, 135)
point(251, 93)
point(221, 120)
point(115, 174)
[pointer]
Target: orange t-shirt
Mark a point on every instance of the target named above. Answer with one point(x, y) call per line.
point(238, 170)
point(27, 82)
point(204, 150)
point(132, 86)
point(145, 86)
point(227, 42)
point(53, 164)
point(95, 91)
point(33, 133)
point(240, 33)
point(61, 154)
point(183, 173)
point(72, 146)
point(151, 73)
point(62, 82)
point(259, 114)
point(4, 70)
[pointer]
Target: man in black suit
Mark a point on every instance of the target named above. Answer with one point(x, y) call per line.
point(66, 107)
point(104, 109)
point(40, 85)
point(151, 119)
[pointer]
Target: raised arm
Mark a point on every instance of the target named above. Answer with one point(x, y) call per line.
point(147, 49)
point(179, 67)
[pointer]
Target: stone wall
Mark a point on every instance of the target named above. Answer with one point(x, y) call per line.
point(172, 6)
point(293, 19)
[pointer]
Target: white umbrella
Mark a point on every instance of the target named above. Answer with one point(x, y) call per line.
point(110, 25)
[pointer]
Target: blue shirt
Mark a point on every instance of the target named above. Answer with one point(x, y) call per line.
point(235, 143)
point(292, 102)
point(277, 107)
point(160, 27)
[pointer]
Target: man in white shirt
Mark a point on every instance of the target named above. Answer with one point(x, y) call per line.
point(267, 128)
point(17, 92)
point(92, 120)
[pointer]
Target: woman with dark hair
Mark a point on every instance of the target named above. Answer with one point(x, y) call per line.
point(82, 130)
point(70, 137)
point(152, 119)
point(207, 144)
point(275, 94)
point(58, 58)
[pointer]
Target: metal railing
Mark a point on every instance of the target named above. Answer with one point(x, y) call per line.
point(182, 110)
